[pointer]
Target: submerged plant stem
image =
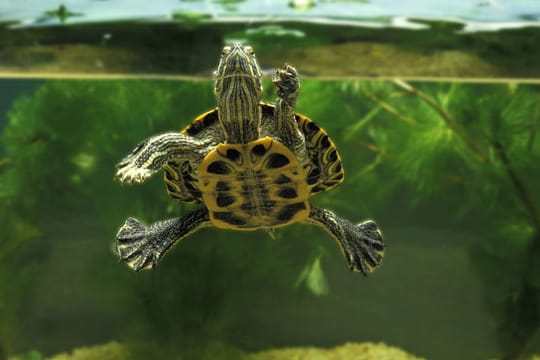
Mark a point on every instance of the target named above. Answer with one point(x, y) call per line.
point(534, 127)
point(526, 298)
point(518, 184)
point(390, 109)
point(446, 117)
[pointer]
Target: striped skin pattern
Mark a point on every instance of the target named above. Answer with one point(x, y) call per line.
point(151, 154)
point(238, 89)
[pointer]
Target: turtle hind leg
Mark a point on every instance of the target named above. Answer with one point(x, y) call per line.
point(362, 244)
point(141, 247)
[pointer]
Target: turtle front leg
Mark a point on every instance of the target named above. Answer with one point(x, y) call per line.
point(141, 247)
point(283, 126)
point(288, 85)
point(151, 154)
point(362, 244)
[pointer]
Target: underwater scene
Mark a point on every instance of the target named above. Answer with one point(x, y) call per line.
point(398, 219)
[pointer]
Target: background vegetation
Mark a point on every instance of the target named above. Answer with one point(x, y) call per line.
point(454, 157)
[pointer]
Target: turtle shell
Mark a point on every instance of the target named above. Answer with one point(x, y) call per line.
point(255, 185)
point(323, 170)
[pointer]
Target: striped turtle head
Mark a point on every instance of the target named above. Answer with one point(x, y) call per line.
point(238, 90)
point(238, 72)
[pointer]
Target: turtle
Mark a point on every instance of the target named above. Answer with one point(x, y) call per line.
point(249, 164)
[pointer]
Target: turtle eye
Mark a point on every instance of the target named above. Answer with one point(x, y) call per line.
point(226, 50)
point(249, 50)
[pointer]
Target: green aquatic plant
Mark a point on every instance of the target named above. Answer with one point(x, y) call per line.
point(62, 209)
point(470, 148)
point(193, 18)
point(229, 5)
point(313, 278)
point(474, 147)
point(61, 13)
point(64, 141)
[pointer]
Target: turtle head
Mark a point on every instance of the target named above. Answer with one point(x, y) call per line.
point(238, 75)
point(238, 91)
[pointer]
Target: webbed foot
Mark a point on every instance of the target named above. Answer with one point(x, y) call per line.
point(135, 246)
point(141, 247)
point(362, 244)
point(364, 247)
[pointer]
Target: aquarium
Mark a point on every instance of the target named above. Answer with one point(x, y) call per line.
point(433, 108)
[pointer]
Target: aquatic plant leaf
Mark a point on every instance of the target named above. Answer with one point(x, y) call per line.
point(313, 278)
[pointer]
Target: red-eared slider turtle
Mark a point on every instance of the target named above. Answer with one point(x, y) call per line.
point(252, 165)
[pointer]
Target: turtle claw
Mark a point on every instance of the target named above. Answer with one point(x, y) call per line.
point(364, 247)
point(127, 173)
point(135, 248)
point(130, 169)
point(286, 80)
